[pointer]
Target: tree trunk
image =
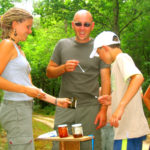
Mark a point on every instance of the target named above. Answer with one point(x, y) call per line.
point(116, 17)
point(66, 25)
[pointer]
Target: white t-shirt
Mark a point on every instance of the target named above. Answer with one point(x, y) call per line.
point(133, 122)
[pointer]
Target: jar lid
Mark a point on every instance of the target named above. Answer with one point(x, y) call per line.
point(62, 125)
point(77, 125)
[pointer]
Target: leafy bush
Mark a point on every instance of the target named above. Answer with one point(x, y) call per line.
point(1, 95)
point(48, 109)
point(38, 49)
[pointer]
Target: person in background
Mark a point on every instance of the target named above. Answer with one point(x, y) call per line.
point(128, 119)
point(146, 98)
point(107, 132)
point(15, 81)
point(80, 79)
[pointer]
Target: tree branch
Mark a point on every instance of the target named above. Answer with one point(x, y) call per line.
point(130, 22)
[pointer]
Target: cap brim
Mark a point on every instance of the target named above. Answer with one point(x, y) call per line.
point(94, 53)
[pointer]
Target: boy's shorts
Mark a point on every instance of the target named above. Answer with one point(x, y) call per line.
point(129, 144)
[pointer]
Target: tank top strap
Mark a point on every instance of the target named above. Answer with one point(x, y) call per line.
point(18, 51)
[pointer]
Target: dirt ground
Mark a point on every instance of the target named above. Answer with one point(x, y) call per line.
point(46, 120)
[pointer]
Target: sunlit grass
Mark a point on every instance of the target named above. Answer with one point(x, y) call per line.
point(3, 140)
point(38, 129)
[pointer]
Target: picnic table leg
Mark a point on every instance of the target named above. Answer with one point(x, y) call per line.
point(65, 145)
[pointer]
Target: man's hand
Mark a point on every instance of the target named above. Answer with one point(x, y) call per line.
point(71, 65)
point(101, 118)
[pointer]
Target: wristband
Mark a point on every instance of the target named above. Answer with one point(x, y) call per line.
point(56, 101)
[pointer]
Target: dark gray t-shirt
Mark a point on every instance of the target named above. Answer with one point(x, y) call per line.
point(83, 85)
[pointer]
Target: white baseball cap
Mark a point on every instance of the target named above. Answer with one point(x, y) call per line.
point(104, 38)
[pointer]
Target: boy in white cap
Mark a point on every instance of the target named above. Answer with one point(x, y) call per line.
point(128, 117)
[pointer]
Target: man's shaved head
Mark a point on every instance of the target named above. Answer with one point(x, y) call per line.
point(82, 13)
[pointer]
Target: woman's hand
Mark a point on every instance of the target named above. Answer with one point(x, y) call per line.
point(63, 102)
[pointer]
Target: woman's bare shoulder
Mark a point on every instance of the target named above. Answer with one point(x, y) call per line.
point(6, 45)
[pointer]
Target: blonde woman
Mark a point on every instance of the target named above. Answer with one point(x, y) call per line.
point(15, 81)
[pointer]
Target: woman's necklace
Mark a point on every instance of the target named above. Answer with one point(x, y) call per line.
point(15, 42)
point(12, 39)
point(19, 47)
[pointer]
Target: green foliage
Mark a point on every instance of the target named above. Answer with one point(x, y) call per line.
point(130, 19)
point(6, 4)
point(56, 16)
point(136, 42)
point(108, 15)
point(54, 23)
point(47, 110)
point(1, 95)
point(38, 49)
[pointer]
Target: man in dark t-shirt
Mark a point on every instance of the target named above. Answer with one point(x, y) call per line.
point(84, 85)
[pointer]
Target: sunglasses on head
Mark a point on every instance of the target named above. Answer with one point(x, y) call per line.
point(79, 24)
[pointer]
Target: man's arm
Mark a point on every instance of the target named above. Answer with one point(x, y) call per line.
point(105, 90)
point(54, 70)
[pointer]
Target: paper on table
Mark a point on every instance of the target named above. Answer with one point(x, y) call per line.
point(48, 134)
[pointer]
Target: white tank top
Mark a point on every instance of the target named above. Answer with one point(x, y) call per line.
point(17, 71)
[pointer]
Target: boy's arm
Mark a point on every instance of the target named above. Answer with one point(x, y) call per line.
point(146, 98)
point(134, 85)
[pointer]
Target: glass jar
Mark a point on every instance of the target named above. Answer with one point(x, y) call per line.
point(63, 130)
point(77, 130)
point(73, 104)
